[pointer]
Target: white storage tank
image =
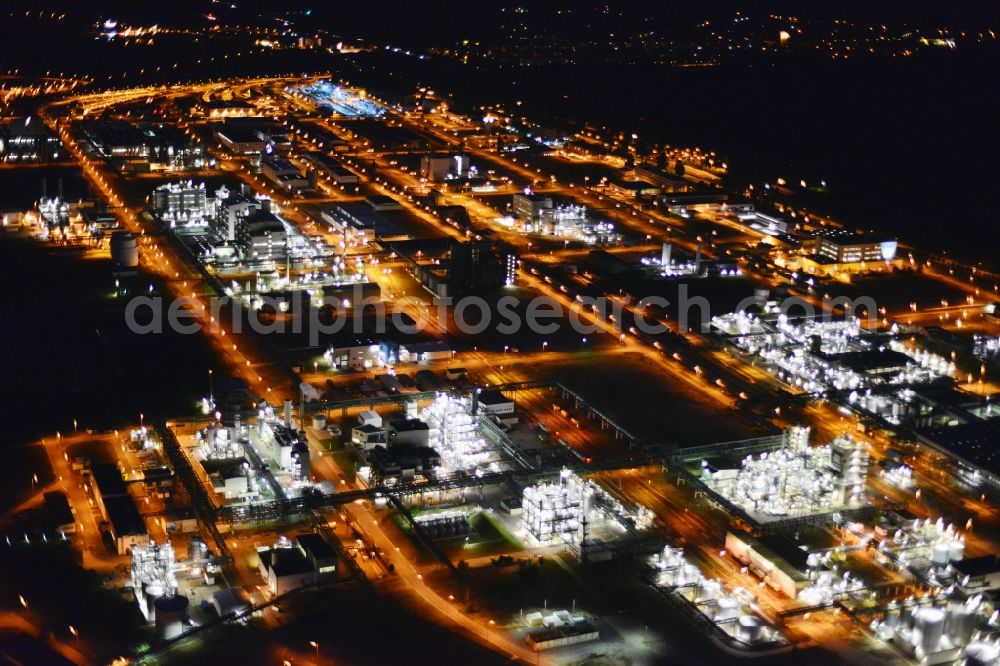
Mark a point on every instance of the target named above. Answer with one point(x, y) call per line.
point(928, 628)
point(982, 654)
point(960, 622)
point(171, 614)
point(727, 609)
point(750, 628)
point(124, 249)
point(956, 551)
point(319, 422)
point(709, 590)
point(939, 554)
point(151, 593)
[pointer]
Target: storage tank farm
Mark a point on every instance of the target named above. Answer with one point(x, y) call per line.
point(936, 629)
point(731, 610)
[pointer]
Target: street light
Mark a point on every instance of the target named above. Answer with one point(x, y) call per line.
point(315, 645)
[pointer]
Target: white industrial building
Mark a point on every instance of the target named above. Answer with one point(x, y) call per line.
point(439, 168)
point(454, 433)
point(183, 204)
point(354, 355)
point(287, 565)
point(570, 511)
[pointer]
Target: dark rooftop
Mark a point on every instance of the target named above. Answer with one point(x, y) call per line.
point(978, 566)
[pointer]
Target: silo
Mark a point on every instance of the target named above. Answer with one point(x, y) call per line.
point(171, 612)
point(709, 590)
point(960, 622)
point(979, 653)
point(750, 628)
point(727, 609)
point(665, 255)
point(124, 249)
point(928, 628)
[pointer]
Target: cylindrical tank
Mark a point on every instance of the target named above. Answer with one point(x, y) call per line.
point(124, 249)
point(151, 593)
point(960, 623)
point(319, 422)
point(710, 590)
point(982, 654)
point(727, 609)
point(750, 628)
point(171, 612)
point(906, 615)
point(939, 554)
point(956, 551)
point(928, 628)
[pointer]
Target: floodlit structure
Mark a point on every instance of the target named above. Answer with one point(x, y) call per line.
point(347, 102)
point(732, 612)
point(819, 355)
point(183, 204)
point(567, 512)
point(900, 476)
point(795, 480)
point(155, 578)
point(927, 549)
point(938, 630)
point(454, 434)
point(556, 512)
point(536, 214)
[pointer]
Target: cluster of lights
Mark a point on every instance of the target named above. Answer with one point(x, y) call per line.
point(343, 101)
point(795, 480)
point(900, 476)
point(454, 434)
point(799, 351)
point(563, 512)
point(734, 613)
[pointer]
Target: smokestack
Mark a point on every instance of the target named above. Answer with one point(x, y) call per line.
point(665, 257)
point(45, 189)
point(697, 260)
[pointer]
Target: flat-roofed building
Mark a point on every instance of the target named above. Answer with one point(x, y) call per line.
point(531, 207)
point(283, 173)
point(437, 168)
point(330, 168)
point(242, 140)
point(840, 250)
point(262, 236)
point(776, 559)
